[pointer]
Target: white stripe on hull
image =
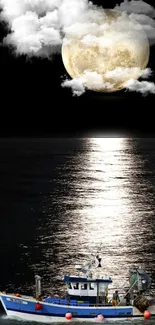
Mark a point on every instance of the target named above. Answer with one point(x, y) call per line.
point(49, 319)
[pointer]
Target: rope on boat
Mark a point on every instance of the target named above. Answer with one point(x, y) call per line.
point(127, 292)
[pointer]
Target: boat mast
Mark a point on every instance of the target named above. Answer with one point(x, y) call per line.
point(38, 286)
point(99, 265)
point(97, 297)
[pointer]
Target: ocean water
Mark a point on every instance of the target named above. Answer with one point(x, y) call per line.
point(62, 200)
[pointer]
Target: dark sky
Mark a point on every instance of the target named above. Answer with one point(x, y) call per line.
point(34, 103)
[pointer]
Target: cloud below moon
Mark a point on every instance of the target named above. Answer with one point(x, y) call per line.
point(37, 28)
point(95, 80)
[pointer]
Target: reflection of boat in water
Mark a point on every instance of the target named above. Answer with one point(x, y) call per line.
point(87, 299)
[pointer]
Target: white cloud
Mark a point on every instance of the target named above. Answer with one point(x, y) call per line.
point(30, 35)
point(92, 40)
point(148, 25)
point(146, 73)
point(37, 24)
point(94, 26)
point(15, 8)
point(94, 81)
point(143, 87)
point(90, 80)
point(137, 7)
point(70, 11)
point(121, 73)
point(76, 85)
point(143, 13)
point(143, 19)
point(150, 32)
point(79, 29)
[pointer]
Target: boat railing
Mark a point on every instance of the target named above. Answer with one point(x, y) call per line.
point(66, 302)
point(70, 302)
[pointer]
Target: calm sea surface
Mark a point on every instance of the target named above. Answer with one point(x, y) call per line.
point(61, 200)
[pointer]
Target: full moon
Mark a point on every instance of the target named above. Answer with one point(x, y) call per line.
point(110, 44)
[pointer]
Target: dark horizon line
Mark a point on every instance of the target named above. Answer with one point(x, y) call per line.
point(95, 134)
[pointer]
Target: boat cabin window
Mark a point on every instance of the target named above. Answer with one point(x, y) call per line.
point(91, 286)
point(69, 285)
point(84, 286)
point(76, 286)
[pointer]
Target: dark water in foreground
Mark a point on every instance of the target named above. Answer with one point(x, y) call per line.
point(137, 322)
point(60, 199)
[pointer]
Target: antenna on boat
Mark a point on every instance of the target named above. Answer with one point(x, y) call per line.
point(98, 257)
point(99, 260)
point(38, 286)
point(84, 268)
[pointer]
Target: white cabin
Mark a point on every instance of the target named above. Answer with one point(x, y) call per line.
point(87, 287)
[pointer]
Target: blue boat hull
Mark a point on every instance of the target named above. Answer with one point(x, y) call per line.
point(25, 308)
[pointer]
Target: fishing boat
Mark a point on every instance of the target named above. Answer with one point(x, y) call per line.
point(87, 298)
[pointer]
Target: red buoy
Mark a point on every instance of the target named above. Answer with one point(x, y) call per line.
point(68, 316)
point(38, 306)
point(147, 314)
point(100, 318)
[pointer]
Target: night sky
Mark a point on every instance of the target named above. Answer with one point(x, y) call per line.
point(34, 103)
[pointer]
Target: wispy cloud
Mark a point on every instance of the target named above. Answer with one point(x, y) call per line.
point(143, 13)
point(121, 73)
point(137, 7)
point(143, 87)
